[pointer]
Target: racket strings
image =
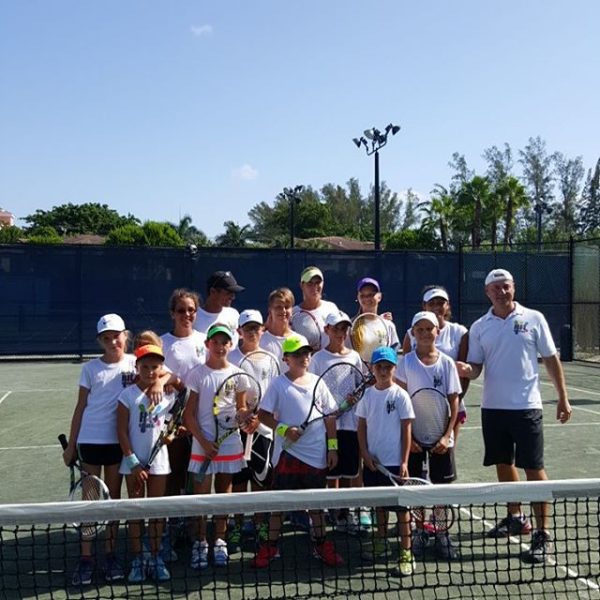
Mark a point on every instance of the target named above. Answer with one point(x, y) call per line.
point(368, 332)
point(432, 413)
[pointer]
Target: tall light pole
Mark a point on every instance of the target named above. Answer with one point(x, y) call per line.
point(292, 195)
point(373, 141)
point(540, 208)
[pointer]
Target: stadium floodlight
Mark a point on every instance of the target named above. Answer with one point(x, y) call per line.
point(377, 140)
point(292, 195)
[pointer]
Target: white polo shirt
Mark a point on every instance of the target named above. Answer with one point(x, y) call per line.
point(228, 316)
point(508, 349)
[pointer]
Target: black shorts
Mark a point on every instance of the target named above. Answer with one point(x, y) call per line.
point(442, 467)
point(348, 456)
point(100, 454)
point(291, 473)
point(378, 479)
point(259, 467)
point(513, 437)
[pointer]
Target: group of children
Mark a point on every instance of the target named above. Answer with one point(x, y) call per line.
point(124, 400)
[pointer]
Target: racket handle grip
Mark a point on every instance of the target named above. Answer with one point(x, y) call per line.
point(62, 438)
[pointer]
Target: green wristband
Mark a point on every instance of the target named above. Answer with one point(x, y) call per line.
point(332, 444)
point(281, 429)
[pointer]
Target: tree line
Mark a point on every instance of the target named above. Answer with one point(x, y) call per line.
point(495, 208)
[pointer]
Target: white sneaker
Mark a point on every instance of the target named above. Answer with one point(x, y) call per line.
point(352, 526)
point(199, 555)
point(221, 555)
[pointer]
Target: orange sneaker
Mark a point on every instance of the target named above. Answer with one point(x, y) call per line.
point(266, 553)
point(326, 552)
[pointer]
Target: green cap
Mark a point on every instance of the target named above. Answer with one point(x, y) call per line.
point(219, 328)
point(294, 343)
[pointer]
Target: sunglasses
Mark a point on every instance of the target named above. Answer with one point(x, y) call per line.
point(185, 311)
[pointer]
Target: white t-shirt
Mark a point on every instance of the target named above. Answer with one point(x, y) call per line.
point(320, 314)
point(144, 429)
point(384, 411)
point(183, 353)
point(320, 362)
point(508, 349)
point(228, 316)
point(272, 343)
point(105, 381)
point(442, 376)
point(292, 403)
point(205, 382)
point(448, 339)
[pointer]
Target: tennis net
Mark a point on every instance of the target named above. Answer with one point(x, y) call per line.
point(40, 547)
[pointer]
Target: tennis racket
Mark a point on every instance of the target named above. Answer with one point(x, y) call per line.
point(442, 517)
point(305, 324)
point(263, 366)
point(227, 414)
point(173, 421)
point(369, 331)
point(344, 383)
point(87, 488)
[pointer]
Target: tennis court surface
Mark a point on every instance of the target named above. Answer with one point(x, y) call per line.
point(40, 545)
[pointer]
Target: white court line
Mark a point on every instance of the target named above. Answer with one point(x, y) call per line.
point(550, 561)
point(5, 397)
point(36, 391)
point(546, 426)
point(30, 447)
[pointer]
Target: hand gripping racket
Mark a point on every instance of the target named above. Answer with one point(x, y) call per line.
point(369, 331)
point(227, 414)
point(263, 366)
point(337, 390)
point(87, 488)
point(173, 421)
point(442, 517)
point(305, 324)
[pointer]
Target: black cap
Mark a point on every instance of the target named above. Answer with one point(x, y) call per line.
point(224, 280)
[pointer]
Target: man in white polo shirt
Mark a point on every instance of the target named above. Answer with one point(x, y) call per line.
point(507, 340)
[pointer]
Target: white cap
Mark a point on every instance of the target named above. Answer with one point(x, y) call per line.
point(337, 317)
point(435, 293)
point(498, 275)
point(425, 315)
point(250, 316)
point(110, 322)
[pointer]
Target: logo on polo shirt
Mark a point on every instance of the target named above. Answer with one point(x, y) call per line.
point(520, 327)
point(390, 406)
point(437, 381)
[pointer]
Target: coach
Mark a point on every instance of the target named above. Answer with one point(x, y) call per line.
point(507, 340)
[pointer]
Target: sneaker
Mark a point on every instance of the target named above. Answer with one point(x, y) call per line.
point(406, 564)
point(364, 517)
point(157, 569)
point(220, 554)
point(84, 571)
point(234, 539)
point(326, 552)
point(347, 524)
point(266, 553)
point(444, 547)
point(199, 555)
point(376, 550)
point(137, 572)
point(263, 533)
point(510, 525)
point(541, 547)
point(420, 541)
point(166, 551)
point(113, 571)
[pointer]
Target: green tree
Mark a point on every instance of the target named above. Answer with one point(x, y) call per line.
point(569, 175)
point(439, 214)
point(538, 174)
point(11, 234)
point(151, 233)
point(71, 219)
point(589, 218)
point(45, 235)
point(514, 198)
point(411, 239)
point(473, 198)
point(235, 236)
point(189, 233)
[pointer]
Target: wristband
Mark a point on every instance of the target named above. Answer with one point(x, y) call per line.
point(281, 429)
point(132, 461)
point(332, 444)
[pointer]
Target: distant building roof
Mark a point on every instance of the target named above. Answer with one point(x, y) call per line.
point(337, 243)
point(92, 240)
point(6, 217)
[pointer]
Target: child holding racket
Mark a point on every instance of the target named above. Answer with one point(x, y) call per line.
point(277, 327)
point(264, 367)
point(205, 384)
point(346, 472)
point(384, 435)
point(303, 461)
point(93, 434)
point(139, 423)
point(431, 379)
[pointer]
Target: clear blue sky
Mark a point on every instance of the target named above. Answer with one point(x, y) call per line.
point(166, 108)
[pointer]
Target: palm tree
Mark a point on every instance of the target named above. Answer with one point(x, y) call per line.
point(189, 233)
point(474, 198)
point(514, 198)
point(439, 211)
point(234, 235)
